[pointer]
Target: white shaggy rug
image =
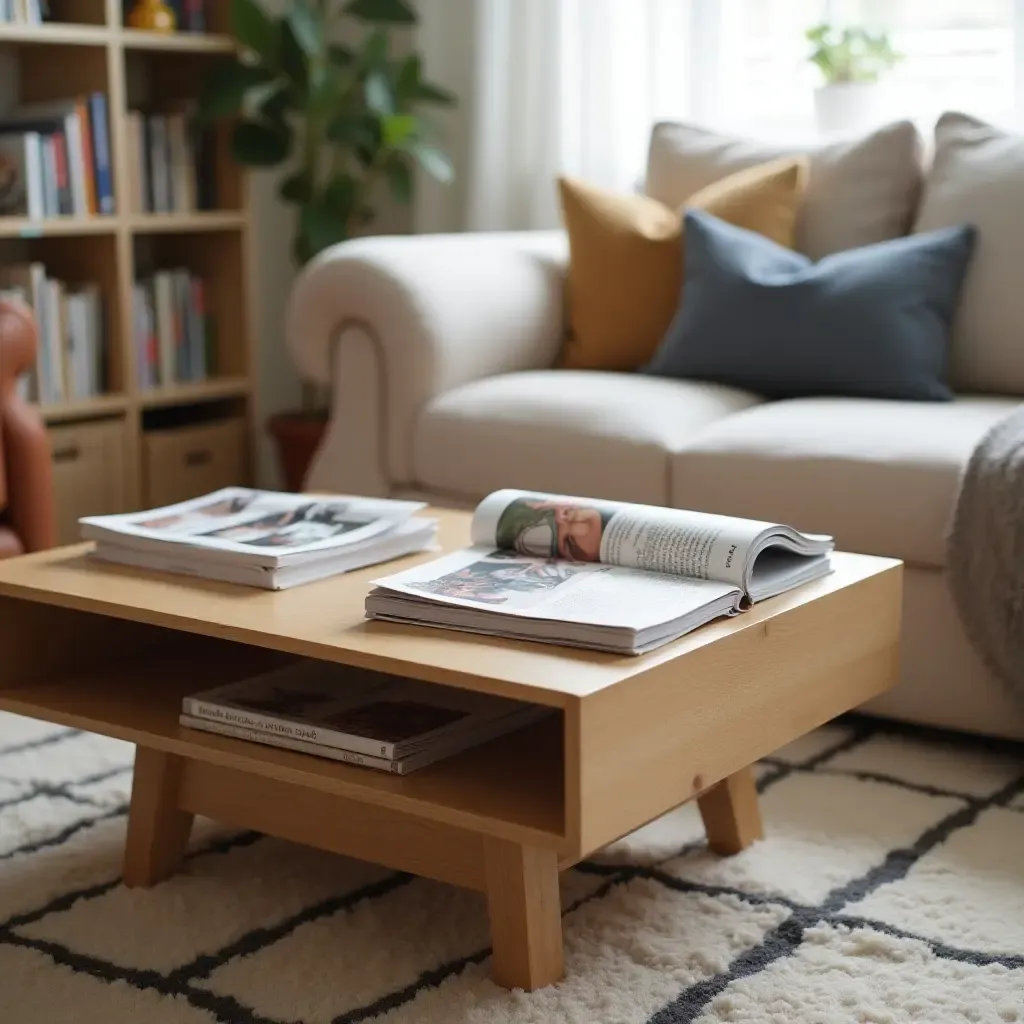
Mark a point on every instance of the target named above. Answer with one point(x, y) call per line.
point(890, 889)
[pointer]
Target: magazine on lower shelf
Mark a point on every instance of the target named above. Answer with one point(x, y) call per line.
point(366, 718)
point(600, 574)
point(262, 538)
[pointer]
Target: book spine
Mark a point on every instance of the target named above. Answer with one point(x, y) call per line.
point(35, 190)
point(163, 284)
point(197, 311)
point(100, 128)
point(288, 743)
point(269, 725)
point(76, 165)
point(65, 200)
point(51, 199)
point(88, 158)
point(179, 280)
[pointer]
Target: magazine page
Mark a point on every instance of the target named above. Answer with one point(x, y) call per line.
point(244, 521)
point(545, 588)
point(693, 544)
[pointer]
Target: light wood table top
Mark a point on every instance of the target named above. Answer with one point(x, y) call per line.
point(326, 620)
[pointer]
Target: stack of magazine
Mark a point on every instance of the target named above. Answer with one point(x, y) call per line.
point(378, 721)
point(262, 538)
point(600, 574)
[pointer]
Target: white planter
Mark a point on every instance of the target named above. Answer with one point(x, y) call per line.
point(845, 107)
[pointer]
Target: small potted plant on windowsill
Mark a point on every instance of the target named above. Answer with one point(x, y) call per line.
point(851, 61)
point(343, 120)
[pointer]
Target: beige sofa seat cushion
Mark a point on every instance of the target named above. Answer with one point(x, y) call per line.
point(859, 191)
point(569, 431)
point(880, 476)
point(977, 177)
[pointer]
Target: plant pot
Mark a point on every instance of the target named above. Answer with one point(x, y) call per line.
point(845, 107)
point(298, 435)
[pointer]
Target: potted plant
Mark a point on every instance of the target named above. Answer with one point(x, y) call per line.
point(342, 120)
point(851, 61)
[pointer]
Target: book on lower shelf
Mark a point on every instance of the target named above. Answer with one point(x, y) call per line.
point(55, 159)
point(606, 575)
point(262, 539)
point(71, 352)
point(171, 331)
point(377, 721)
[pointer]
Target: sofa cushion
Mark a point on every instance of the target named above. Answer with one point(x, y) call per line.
point(575, 432)
point(978, 176)
point(626, 257)
point(859, 191)
point(880, 476)
point(872, 321)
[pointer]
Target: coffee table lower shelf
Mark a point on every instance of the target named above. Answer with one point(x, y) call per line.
point(520, 879)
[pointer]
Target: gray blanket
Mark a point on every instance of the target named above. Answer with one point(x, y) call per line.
point(985, 555)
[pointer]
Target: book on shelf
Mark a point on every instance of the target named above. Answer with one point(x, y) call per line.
point(71, 349)
point(366, 718)
point(262, 538)
point(60, 152)
point(24, 12)
point(172, 163)
point(601, 574)
point(170, 330)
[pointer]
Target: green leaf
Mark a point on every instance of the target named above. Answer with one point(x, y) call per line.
point(374, 54)
point(340, 196)
point(260, 144)
point(294, 62)
point(398, 129)
point(320, 228)
point(226, 86)
point(434, 94)
point(354, 130)
point(341, 56)
point(395, 12)
point(433, 161)
point(399, 175)
point(296, 188)
point(255, 29)
point(306, 27)
point(379, 97)
point(408, 80)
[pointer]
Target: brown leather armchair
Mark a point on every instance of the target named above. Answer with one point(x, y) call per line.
point(27, 520)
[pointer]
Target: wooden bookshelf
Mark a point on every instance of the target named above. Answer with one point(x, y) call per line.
point(136, 70)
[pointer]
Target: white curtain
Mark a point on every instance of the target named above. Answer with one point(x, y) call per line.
point(558, 86)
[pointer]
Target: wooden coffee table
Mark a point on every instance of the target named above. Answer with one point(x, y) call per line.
point(113, 650)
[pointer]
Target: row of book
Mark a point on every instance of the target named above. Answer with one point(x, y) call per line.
point(71, 353)
point(172, 164)
point(189, 15)
point(24, 12)
point(171, 330)
point(55, 159)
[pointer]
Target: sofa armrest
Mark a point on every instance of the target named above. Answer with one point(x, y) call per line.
point(432, 312)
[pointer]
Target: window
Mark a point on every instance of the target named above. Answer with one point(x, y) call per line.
point(958, 54)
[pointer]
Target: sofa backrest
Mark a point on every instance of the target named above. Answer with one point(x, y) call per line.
point(977, 177)
point(860, 191)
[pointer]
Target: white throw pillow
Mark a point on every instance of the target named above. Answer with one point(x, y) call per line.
point(977, 177)
point(859, 192)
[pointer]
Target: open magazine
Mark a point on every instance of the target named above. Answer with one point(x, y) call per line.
point(262, 538)
point(602, 574)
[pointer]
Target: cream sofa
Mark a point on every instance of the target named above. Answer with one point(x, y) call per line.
point(438, 350)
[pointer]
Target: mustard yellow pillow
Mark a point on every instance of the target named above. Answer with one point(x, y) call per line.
point(626, 257)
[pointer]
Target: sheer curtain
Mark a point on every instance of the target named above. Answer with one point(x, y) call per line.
point(567, 86)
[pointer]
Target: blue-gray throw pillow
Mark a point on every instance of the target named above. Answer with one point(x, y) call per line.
point(872, 322)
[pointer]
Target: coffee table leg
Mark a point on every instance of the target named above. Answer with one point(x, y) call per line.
point(526, 914)
point(732, 818)
point(157, 830)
